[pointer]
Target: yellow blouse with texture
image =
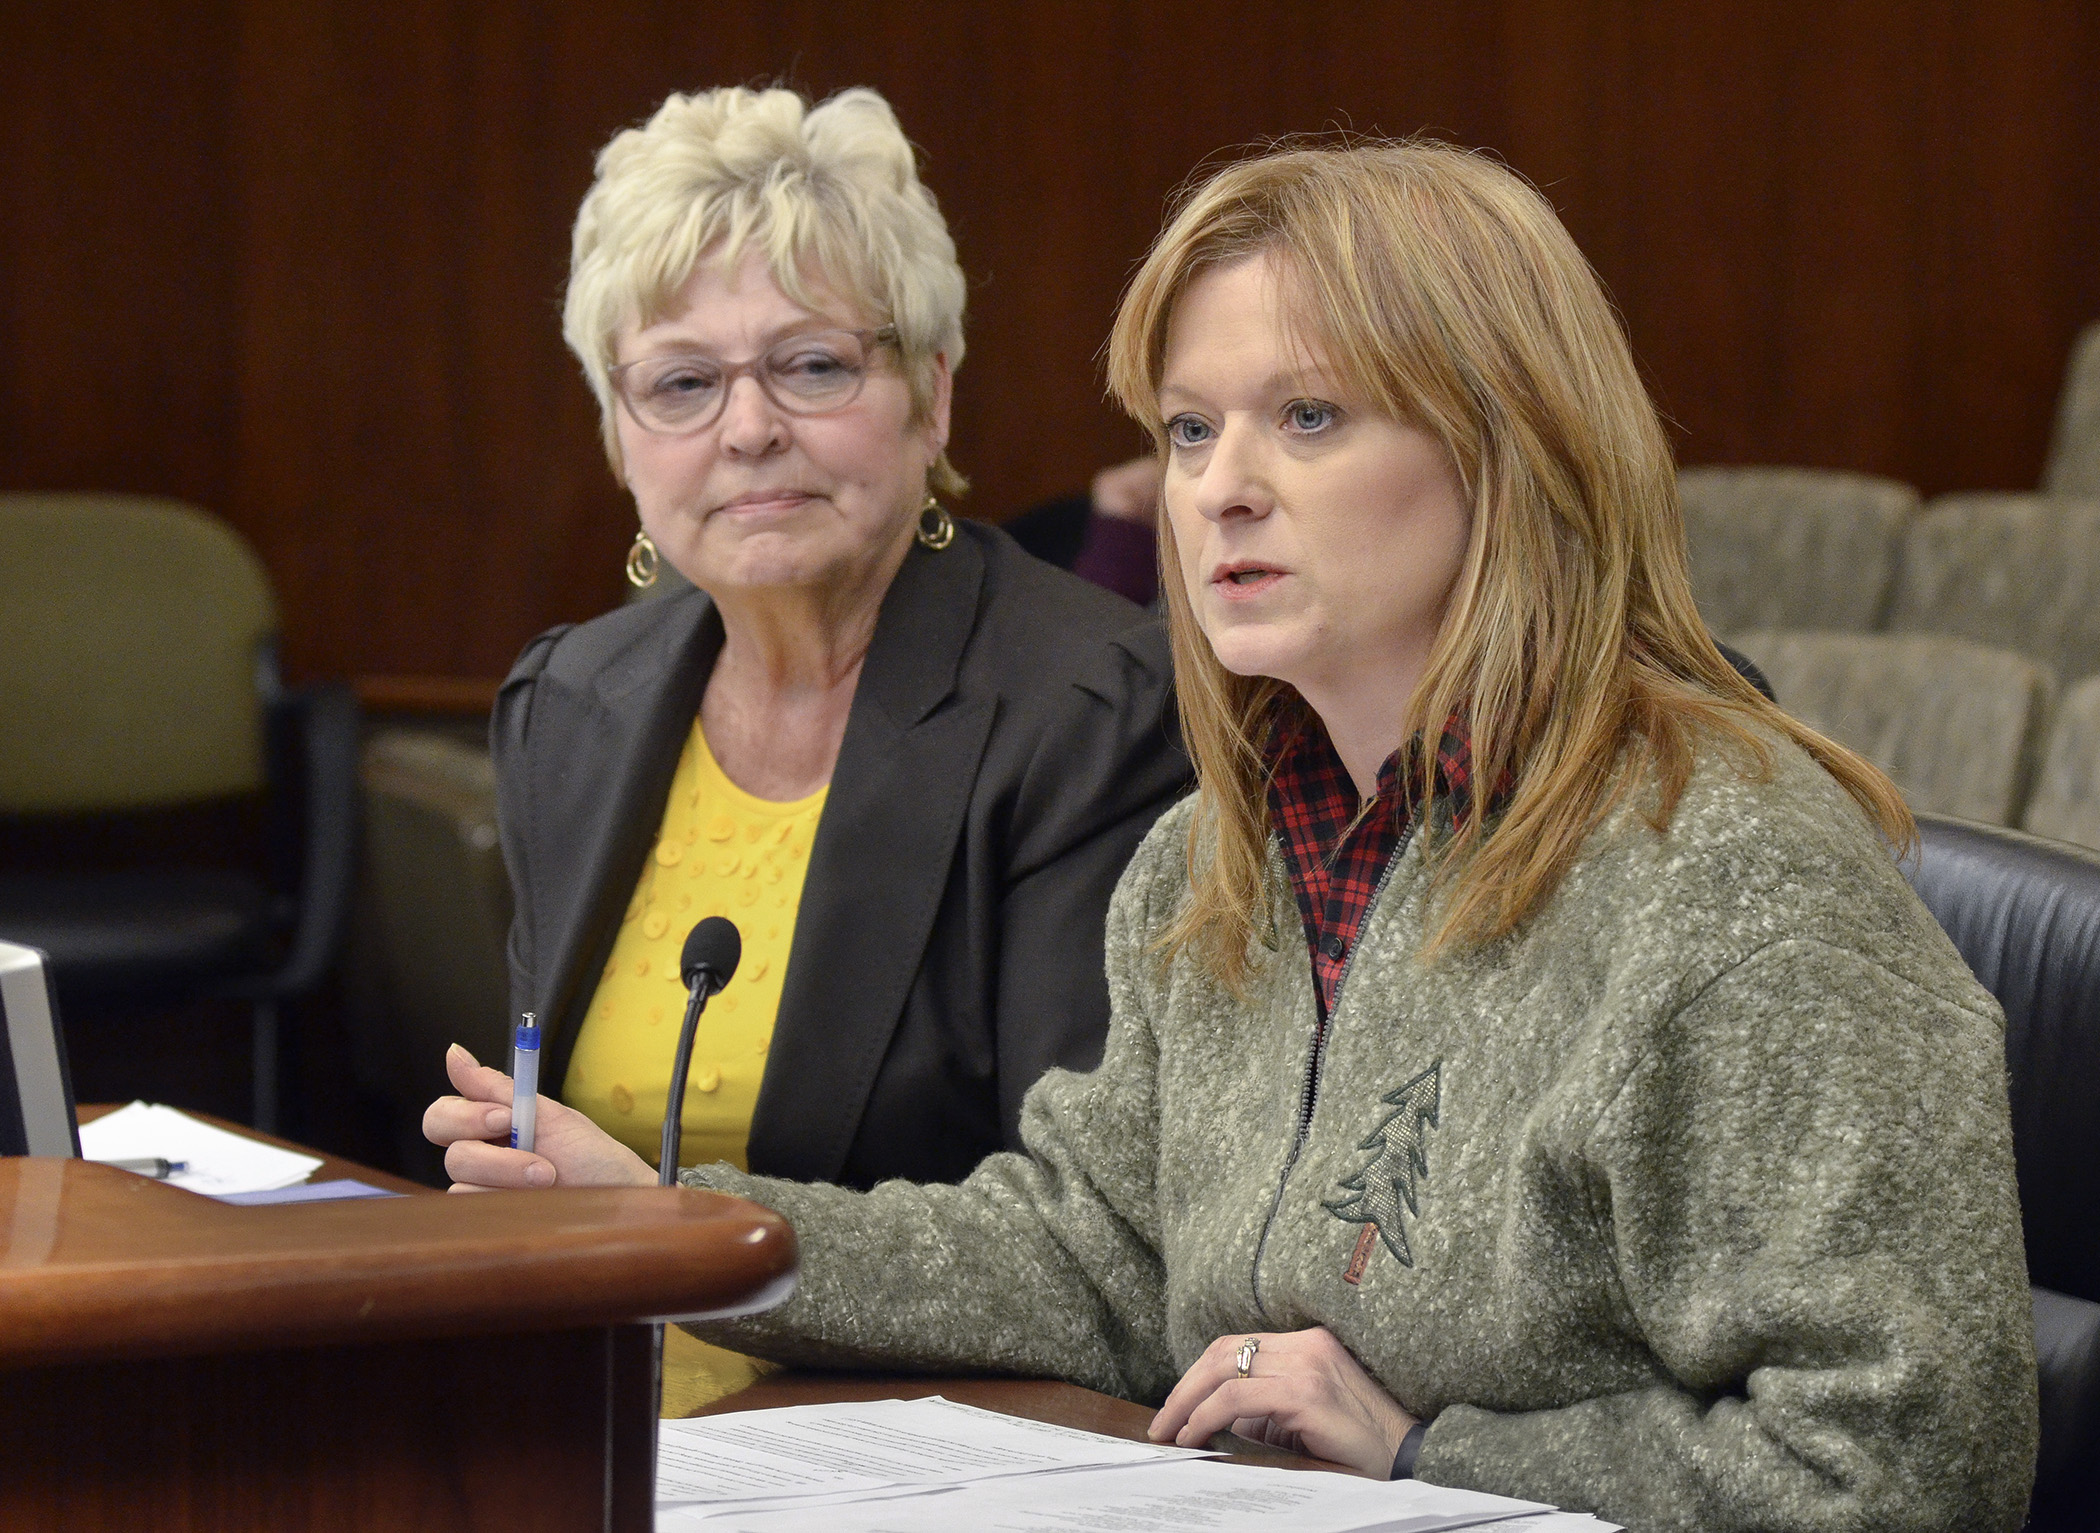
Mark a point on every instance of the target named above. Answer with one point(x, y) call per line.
point(719, 851)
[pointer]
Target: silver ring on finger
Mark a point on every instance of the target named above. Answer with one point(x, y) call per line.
point(1243, 1361)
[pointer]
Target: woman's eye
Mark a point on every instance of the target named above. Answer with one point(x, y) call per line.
point(816, 363)
point(674, 382)
point(1309, 415)
point(1188, 431)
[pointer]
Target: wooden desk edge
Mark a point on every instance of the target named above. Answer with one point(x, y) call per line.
point(99, 1263)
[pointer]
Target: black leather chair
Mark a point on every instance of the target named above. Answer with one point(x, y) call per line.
point(2025, 913)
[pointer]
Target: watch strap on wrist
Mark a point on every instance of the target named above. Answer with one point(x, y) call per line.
point(1410, 1450)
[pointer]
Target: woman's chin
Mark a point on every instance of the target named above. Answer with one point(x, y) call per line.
point(766, 560)
point(807, 552)
point(1252, 650)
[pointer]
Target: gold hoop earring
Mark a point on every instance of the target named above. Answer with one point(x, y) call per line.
point(641, 562)
point(938, 532)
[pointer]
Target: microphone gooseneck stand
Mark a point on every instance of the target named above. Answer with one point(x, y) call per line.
point(706, 964)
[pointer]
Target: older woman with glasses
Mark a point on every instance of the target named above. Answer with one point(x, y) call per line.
point(908, 760)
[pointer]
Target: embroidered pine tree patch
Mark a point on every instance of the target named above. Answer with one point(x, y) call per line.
point(1373, 1196)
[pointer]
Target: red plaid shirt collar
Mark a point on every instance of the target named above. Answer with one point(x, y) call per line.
point(1336, 856)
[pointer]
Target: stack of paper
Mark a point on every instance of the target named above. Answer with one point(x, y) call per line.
point(219, 1162)
point(933, 1466)
point(804, 1455)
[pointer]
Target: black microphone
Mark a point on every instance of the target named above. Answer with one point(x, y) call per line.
point(711, 948)
point(707, 963)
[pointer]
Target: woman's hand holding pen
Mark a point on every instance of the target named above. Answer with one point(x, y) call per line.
point(474, 1126)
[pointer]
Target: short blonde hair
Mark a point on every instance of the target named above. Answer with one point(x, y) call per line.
point(833, 187)
point(1444, 289)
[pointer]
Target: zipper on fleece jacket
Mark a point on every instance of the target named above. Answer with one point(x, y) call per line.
point(1323, 1030)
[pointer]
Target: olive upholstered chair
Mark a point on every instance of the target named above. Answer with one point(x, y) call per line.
point(2066, 801)
point(138, 674)
point(426, 961)
point(2073, 467)
point(1958, 725)
point(1792, 547)
point(2021, 572)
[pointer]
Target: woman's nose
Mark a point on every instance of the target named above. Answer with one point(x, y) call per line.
point(1233, 483)
point(752, 426)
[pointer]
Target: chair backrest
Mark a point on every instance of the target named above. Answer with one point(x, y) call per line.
point(2066, 801)
point(130, 631)
point(435, 915)
point(2018, 571)
point(1792, 547)
point(1957, 725)
point(2025, 914)
point(2073, 467)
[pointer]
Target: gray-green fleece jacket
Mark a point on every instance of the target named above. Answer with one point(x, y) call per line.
point(1690, 1204)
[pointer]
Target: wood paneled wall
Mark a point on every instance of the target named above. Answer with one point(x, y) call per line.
point(300, 260)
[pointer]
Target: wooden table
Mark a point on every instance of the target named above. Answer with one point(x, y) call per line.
point(168, 1361)
point(1037, 1399)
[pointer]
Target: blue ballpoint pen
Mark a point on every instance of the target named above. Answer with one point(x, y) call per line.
point(156, 1166)
point(525, 1082)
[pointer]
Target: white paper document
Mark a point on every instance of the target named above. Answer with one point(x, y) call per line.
point(1173, 1497)
point(799, 1453)
point(219, 1162)
point(935, 1466)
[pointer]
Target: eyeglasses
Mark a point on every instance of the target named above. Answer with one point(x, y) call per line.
point(810, 374)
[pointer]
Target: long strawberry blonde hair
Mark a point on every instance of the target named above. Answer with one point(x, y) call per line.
point(1443, 288)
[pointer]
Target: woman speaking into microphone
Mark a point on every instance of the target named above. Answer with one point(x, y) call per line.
point(1530, 1070)
point(907, 759)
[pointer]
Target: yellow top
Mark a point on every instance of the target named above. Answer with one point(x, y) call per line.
point(719, 851)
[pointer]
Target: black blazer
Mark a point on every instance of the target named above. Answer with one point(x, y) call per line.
point(1005, 754)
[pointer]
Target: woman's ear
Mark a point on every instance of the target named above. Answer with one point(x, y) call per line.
point(937, 413)
point(615, 452)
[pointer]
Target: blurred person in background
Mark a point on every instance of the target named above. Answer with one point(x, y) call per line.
point(1107, 535)
point(908, 760)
